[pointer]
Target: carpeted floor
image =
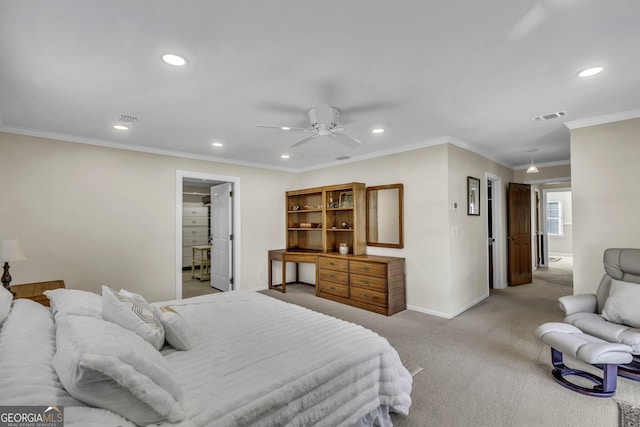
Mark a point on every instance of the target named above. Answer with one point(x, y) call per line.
point(484, 367)
point(194, 287)
point(559, 271)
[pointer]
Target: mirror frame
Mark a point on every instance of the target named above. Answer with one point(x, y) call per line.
point(400, 188)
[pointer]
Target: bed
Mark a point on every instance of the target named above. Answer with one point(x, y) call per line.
point(237, 358)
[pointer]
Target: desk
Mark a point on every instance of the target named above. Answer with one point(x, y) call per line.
point(203, 262)
point(284, 256)
point(35, 291)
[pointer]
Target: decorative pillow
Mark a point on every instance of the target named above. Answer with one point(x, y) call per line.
point(176, 329)
point(133, 315)
point(6, 298)
point(110, 367)
point(623, 304)
point(65, 301)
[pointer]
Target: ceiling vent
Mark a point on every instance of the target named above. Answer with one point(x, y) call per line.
point(128, 119)
point(550, 116)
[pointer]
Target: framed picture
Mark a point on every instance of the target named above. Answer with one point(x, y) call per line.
point(346, 199)
point(473, 196)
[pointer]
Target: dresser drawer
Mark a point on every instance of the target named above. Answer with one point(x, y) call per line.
point(195, 221)
point(369, 296)
point(369, 282)
point(333, 288)
point(194, 241)
point(339, 277)
point(195, 211)
point(368, 268)
point(333, 264)
point(311, 258)
point(195, 231)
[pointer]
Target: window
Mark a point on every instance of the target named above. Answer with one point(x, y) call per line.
point(554, 218)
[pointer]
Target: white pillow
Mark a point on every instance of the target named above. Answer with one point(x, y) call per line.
point(176, 329)
point(623, 304)
point(133, 315)
point(65, 301)
point(107, 366)
point(6, 298)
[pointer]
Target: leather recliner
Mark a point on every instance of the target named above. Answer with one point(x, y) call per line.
point(585, 311)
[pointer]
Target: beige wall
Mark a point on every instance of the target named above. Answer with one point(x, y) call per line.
point(444, 274)
point(468, 252)
point(605, 177)
point(423, 173)
point(92, 215)
point(545, 173)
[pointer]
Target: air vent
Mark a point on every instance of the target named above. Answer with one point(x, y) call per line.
point(343, 158)
point(126, 118)
point(550, 116)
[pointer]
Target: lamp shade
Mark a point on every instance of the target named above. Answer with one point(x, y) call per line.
point(10, 250)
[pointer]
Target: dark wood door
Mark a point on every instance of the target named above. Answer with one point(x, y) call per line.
point(519, 240)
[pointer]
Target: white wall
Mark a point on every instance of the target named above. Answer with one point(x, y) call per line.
point(92, 215)
point(605, 177)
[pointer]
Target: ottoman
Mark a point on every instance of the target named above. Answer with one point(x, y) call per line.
point(567, 339)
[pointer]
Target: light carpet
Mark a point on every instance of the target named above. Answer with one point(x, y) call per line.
point(484, 367)
point(629, 414)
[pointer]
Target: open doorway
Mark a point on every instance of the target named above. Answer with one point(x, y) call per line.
point(495, 252)
point(207, 233)
point(556, 236)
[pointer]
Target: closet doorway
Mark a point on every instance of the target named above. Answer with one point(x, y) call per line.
point(207, 219)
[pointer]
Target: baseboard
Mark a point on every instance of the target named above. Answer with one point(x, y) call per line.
point(447, 315)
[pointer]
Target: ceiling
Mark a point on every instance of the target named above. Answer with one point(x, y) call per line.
point(467, 71)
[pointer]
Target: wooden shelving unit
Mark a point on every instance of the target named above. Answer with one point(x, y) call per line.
point(321, 218)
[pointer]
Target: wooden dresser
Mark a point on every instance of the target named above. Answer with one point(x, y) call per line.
point(35, 291)
point(374, 283)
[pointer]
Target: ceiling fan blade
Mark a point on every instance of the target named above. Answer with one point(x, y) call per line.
point(284, 128)
point(345, 139)
point(302, 141)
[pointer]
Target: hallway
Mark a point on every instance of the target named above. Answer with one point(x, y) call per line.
point(559, 272)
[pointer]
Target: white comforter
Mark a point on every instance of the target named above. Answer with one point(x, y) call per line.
point(263, 362)
point(256, 361)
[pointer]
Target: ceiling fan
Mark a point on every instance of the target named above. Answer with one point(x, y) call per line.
point(324, 122)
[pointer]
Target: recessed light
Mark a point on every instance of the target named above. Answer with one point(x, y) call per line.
point(377, 130)
point(217, 144)
point(173, 59)
point(121, 127)
point(285, 156)
point(285, 128)
point(590, 72)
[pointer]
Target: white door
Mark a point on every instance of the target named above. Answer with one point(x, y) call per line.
point(221, 240)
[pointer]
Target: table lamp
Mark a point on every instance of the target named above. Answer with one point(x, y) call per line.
point(10, 250)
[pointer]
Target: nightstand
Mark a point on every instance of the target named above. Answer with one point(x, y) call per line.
point(35, 291)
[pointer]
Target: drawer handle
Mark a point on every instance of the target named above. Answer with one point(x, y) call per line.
point(333, 288)
point(193, 221)
point(333, 276)
point(366, 269)
point(366, 282)
point(367, 296)
point(194, 212)
point(332, 263)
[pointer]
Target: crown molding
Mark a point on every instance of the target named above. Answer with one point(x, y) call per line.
point(601, 120)
point(136, 148)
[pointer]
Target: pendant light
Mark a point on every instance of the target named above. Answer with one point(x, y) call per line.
point(532, 167)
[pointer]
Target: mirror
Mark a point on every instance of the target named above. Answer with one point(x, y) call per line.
point(384, 216)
